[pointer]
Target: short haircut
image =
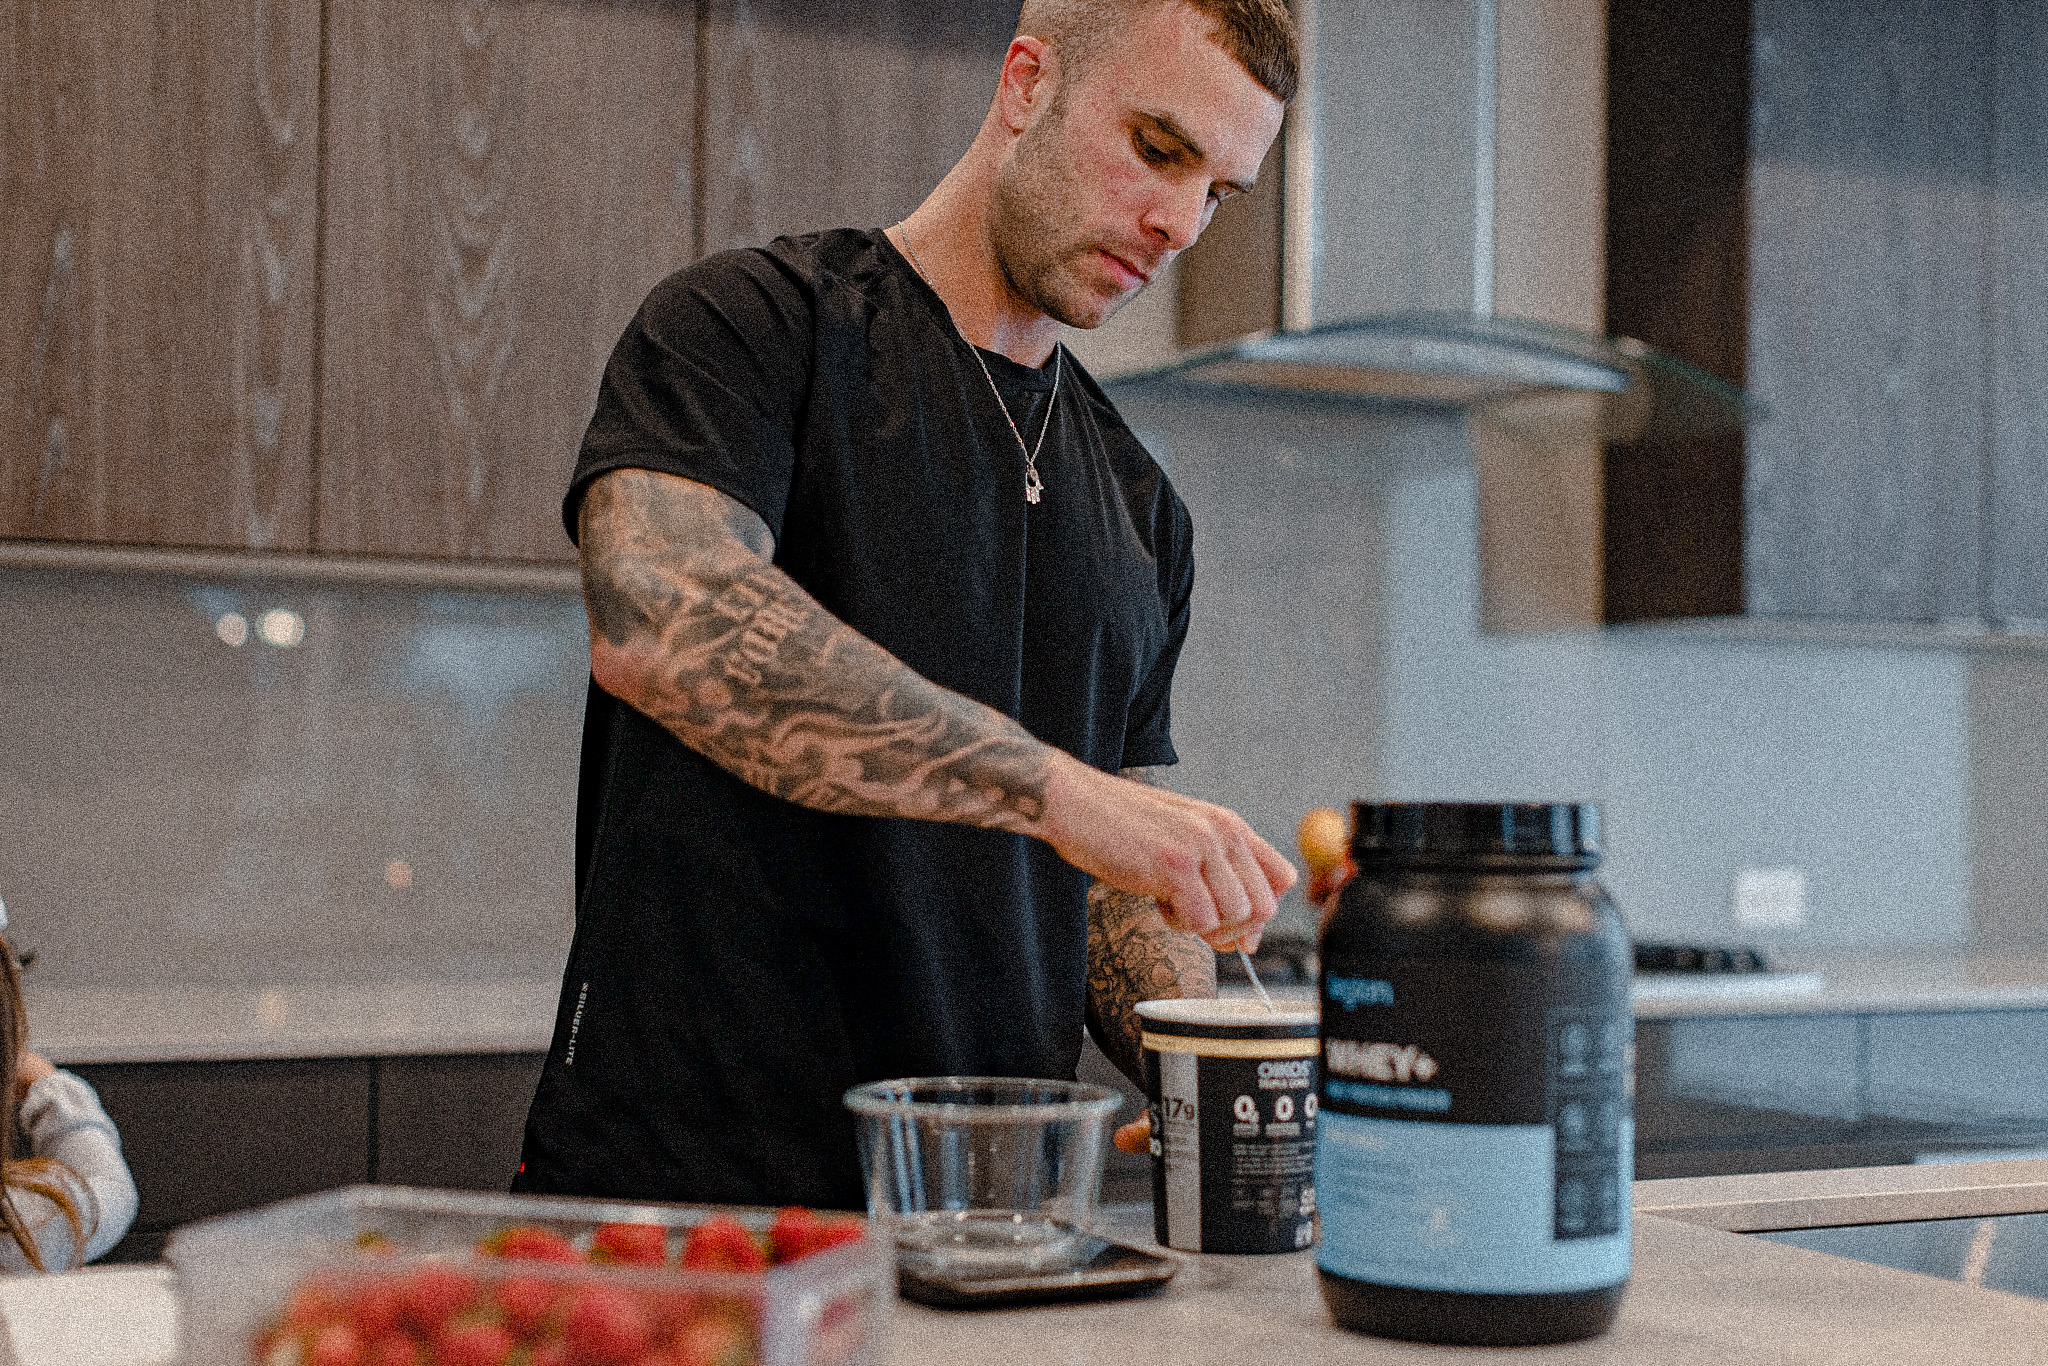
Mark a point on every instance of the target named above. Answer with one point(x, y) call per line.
point(1259, 34)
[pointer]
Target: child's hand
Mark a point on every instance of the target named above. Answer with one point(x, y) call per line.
point(32, 1068)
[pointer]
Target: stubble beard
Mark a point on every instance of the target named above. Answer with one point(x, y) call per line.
point(1034, 202)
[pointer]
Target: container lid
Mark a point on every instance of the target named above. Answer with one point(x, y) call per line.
point(1558, 835)
point(1228, 1019)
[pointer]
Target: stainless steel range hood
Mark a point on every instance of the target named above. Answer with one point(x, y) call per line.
point(1439, 232)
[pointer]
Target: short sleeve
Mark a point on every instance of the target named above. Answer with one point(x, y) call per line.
point(708, 382)
point(1148, 730)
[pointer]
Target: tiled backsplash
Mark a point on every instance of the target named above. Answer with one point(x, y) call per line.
point(389, 790)
point(232, 781)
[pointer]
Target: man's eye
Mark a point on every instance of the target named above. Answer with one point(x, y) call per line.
point(1151, 152)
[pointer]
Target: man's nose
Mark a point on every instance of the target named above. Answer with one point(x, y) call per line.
point(1178, 215)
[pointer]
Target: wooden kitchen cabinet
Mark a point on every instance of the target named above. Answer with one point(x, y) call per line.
point(1842, 206)
point(838, 113)
point(2017, 299)
point(342, 278)
point(1721, 1095)
point(158, 198)
point(453, 1122)
point(504, 185)
point(204, 1138)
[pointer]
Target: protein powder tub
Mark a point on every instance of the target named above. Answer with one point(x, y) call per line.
point(1474, 1152)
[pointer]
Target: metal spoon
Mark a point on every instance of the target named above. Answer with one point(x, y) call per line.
point(1257, 985)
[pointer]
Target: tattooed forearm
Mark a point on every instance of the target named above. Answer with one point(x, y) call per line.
point(692, 625)
point(1133, 957)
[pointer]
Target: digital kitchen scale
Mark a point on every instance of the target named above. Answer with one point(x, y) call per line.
point(1106, 1270)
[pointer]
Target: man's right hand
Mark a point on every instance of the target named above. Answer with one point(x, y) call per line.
point(1206, 867)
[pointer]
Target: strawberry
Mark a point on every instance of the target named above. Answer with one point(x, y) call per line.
point(394, 1349)
point(313, 1305)
point(720, 1244)
point(553, 1352)
point(473, 1344)
point(789, 1237)
point(372, 1307)
point(526, 1242)
point(606, 1325)
point(335, 1344)
point(640, 1244)
point(837, 1233)
point(432, 1295)
point(530, 1305)
point(713, 1340)
point(797, 1232)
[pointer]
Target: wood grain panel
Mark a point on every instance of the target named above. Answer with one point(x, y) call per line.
point(836, 113)
point(158, 171)
point(204, 1138)
point(1229, 280)
point(454, 1122)
point(505, 183)
point(2018, 550)
point(1870, 162)
point(1677, 270)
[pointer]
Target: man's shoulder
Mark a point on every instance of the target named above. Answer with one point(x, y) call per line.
point(794, 265)
point(1129, 456)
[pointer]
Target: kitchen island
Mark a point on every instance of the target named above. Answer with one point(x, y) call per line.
point(1703, 1294)
point(230, 1095)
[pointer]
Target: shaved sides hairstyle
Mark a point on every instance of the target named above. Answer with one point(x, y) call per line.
point(1259, 34)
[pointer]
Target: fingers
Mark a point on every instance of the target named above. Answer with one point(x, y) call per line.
point(1224, 872)
point(1188, 905)
point(1279, 873)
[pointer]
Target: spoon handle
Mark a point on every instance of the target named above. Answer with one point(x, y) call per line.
point(1257, 985)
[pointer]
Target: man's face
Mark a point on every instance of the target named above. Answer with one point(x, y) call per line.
point(1119, 174)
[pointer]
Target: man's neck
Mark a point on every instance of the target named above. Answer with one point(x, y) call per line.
point(951, 250)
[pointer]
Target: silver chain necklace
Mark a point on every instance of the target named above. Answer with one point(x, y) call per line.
point(1034, 487)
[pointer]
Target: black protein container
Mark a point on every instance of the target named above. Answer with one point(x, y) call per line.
point(1474, 1150)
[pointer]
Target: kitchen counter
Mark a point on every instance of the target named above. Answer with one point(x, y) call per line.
point(1701, 1296)
point(327, 1020)
point(516, 1015)
point(1844, 983)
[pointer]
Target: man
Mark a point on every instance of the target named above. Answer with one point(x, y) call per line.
point(885, 603)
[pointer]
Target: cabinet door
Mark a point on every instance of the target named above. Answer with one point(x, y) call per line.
point(1871, 142)
point(504, 184)
point(832, 113)
point(2018, 302)
point(204, 1138)
point(453, 1122)
point(158, 179)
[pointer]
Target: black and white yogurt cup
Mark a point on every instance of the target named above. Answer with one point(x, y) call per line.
point(1233, 1093)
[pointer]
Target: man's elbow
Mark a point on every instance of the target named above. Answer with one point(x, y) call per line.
point(620, 670)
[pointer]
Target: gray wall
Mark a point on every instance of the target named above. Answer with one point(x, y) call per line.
point(174, 809)
point(1336, 656)
point(177, 809)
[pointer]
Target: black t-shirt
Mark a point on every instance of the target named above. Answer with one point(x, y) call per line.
point(739, 960)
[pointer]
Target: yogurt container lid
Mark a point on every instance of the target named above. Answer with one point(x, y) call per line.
point(1231, 1018)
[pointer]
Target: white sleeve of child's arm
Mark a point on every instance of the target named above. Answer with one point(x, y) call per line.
point(62, 1118)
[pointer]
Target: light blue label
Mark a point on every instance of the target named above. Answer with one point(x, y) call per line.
point(1462, 1207)
point(1390, 1097)
point(1353, 992)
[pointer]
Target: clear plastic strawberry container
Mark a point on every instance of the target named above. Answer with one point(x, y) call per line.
point(364, 1254)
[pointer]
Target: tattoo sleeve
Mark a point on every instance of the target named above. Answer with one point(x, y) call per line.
point(1133, 957)
point(691, 624)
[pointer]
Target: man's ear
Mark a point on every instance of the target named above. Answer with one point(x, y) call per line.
point(1030, 72)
